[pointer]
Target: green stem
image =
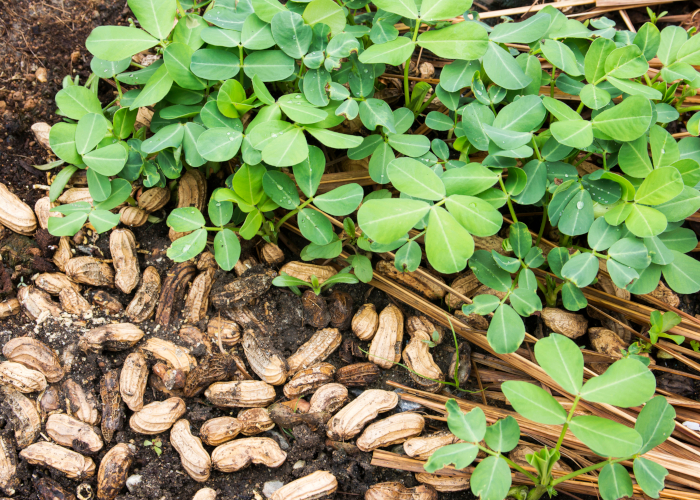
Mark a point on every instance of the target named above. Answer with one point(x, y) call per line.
point(656, 77)
point(582, 159)
point(417, 236)
point(510, 462)
point(292, 213)
point(566, 424)
point(537, 150)
point(536, 492)
point(119, 88)
point(545, 206)
point(510, 205)
point(240, 56)
point(646, 79)
point(180, 10)
point(687, 109)
point(590, 468)
point(553, 82)
point(580, 108)
point(407, 65)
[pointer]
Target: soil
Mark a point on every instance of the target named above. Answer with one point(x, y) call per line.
point(50, 35)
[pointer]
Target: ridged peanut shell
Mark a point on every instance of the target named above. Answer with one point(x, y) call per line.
point(36, 355)
point(74, 303)
point(144, 302)
point(9, 480)
point(272, 254)
point(358, 374)
point(63, 253)
point(391, 430)
point(304, 271)
point(205, 494)
point(417, 357)
point(133, 379)
point(397, 491)
point(112, 337)
point(444, 484)
point(219, 430)
point(567, 323)
point(316, 349)
point(90, 271)
point(192, 190)
point(421, 284)
point(255, 421)
point(23, 415)
point(9, 308)
point(82, 404)
point(133, 216)
point(308, 380)
point(174, 355)
point(328, 398)
point(122, 246)
point(316, 485)
point(228, 330)
point(197, 301)
point(71, 432)
point(385, 349)
point(365, 322)
point(265, 361)
point(350, 421)
point(240, 453)
point(154, 199)
point(195, 459)
point(113, 472)
point(53, 283)
point(42, 209)
point(37, 302)
point(158, 416)
point(15, 214)
point(421, 448)
point(72, 464)
point(423, 324)
point(241, 394)
point(73, 195)
point(21, 378)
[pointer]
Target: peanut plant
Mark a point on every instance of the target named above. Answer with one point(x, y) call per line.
point(262, 86)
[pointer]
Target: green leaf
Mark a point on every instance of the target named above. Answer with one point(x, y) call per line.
point(560, 56)
point(315, 82)
point(488, 273)
point(379, 163)
point(648, 40)
point(625, 383)
point(634, 158)
point(177, 58)
point(470, 427)
point(460, 454)
point(410, 145)
point(594, 63)
point(655, 423)
point(286, 280)
point(645, 222)
point(92, 128)
point(605, 437)
point(576, 133)
point(215, 64)
point(524, 115)
point(220, 212)
point(120, 191)
point(257, 34)
point(437, 121)
point(213, 118)
point(67, 226)
point(447, 244)
point(62, 142)
point(251, 225)
point(630, 252)
point(404, 8)
point(308, 173)
point(248, 183)
point(649, 476)
point(625, 122)
point(76, 102)
point(114, 43)
point(474, 117)
point(689, 52)
point(108, 160)
point(482, 304)
point(281, 189)
point(108, 69)
point(581, 269)
point(635, 88)
point(103, 220)
point(394, 53)
point(525, 302)
point(157, 87)
point(189, 30)
point(520, 239)
point(626, 62)
point(664, 148)
point(185, 219)
point(458, 74)
point(168, 137)
point(672, 39)
point(683, 274)
point(230, 99)
point(219, 144)
point(491, 479)
point(269, 65)
point(227, 249)
point(533, 403)
point(99, 185)
point(415, 179)
point(315, 227)
point(435, 10)
point(336, 140)
point(682, 239)
point(509, 264)
point(477, 216)
point(221, 37)
point(503, 70)
point(614, 482)
point(374, 112)
point(408, 257)
point(123, 122)
point(577, 217)
point(188, 246)
point(680, 207)
point(526, 31)
point(287, 150)
point(362, 266)
point(457, 41)
point(385, 221)
point(506, 331)
point(155, 16)
point(327, 12)
point(267, 9)
point(602, 235)
point(594, 97)
point(561, 358)
point(503, 435)
point(342, 200)
point(313, 251)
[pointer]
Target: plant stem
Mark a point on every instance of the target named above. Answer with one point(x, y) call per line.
point(687, 109)
point(536, 492)
point(582, 159)
point(407, 65)
point(510, 205)
point(291, 213)
point(537, 150)
point(566, 424)
point(545, 206)
point(656, 77)
point(119, 88)
point(587, 469)
point(552, 82)
point(240, 56)
point(509, 461)
point(580, 108)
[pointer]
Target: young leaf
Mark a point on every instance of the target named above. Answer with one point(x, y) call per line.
point(415, 179)
point(227, 249)
point(188, 246)
point(561, 358)
point(605, 437)
point(649, 476)
point(491, 479)
point(506, 331)
point(315, 227)
point(614, 482)
point(625, 383)
point(460, 454)
point(534, 403)
point(470, 427)
point(342, 200)
point(447, 244)
point(67, 226)
point(655, 423)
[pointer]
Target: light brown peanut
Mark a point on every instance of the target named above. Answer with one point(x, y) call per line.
point(158, 416)
point(385, 349)
point(321, 345)
point(241, 394)
point(391, 430)
point(133, 379)
point(240, 453)
point(122, 246)
point(350, 421)
point(21, 378)
point(195, 459)
point(219, 430)
point(36, 355)
point(144, 302)
point(74, 433)
point(365, 322)
point(316, 485)
point(72, 464)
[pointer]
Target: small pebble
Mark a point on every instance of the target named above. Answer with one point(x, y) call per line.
point(299, 465)
point(281, 440)
point(133, 482)
point(270, 487)
point(693, 426)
